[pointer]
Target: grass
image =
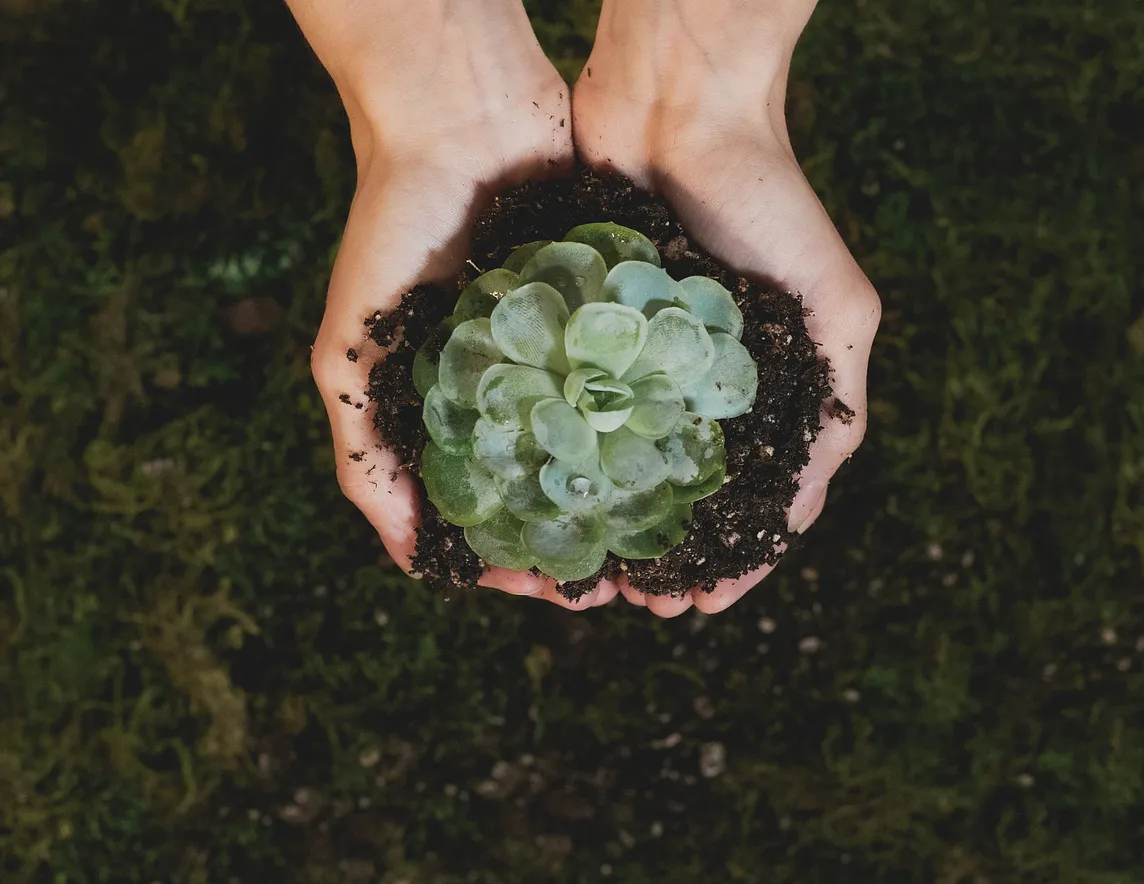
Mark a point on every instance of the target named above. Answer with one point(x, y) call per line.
point(209, 675)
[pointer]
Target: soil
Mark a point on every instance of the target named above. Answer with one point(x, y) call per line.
point(734, 531)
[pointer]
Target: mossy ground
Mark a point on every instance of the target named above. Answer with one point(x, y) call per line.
point(209, 674)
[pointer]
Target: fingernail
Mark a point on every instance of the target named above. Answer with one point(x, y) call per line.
point(805, 506)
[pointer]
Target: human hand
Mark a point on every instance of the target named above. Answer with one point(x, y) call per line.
point(686, 97)
point(448, 103)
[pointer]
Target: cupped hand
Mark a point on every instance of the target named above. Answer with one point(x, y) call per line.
point(447, 103)
point(687, 98)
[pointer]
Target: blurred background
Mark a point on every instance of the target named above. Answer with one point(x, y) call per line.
point(209, 672)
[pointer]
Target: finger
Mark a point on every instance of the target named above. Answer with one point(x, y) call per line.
point(551, 594)
point(668, 606)
point(843, 320)
point(512, 582)
point(369, 475)
point(630, 593)
point(727, 592)
point(807, 507)
point(608, 591)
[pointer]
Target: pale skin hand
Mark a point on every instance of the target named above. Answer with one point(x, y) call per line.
point(448, 102)
point(687, 98)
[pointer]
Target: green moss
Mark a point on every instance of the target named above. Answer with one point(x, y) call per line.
point(210, 673)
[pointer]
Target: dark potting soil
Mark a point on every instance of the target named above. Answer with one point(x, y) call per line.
point(734, 531)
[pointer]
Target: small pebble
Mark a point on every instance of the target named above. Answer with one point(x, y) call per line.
point(712, 760)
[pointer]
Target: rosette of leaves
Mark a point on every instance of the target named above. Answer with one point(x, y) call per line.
point(573, 401)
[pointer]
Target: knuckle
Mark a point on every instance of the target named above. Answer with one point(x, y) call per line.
point(864, 309)
point(325, 367)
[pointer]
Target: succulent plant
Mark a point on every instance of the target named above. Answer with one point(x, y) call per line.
point(572, 401)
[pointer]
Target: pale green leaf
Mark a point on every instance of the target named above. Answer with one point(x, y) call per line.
point(606, 404)
point(450, 425)
point(498, 542)
point(426, 363)
point(525, 499)
point(713, 304)
point(632, 462)
point(615, 243)
point(575, 270)
point(655, 541)
point(694, 450)
point(528, 326)
point(562, 431)
point(575, 488)
point(677, 345)
point(506, 451)
point(575, 382)
point(516, 261)
point(462, 490)
point(481, 296)
point(605, 336)
point(568, 548)
point(507, 393)
point(729, 388)
point(692, 493)
point(641, 286)
point(469, 352)
point(630, 511)
point(658, 406)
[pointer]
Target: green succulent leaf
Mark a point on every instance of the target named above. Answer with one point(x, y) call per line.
point(694, 450)
point(498, 542)
point(615, 243)
point(692, 493)
point(426, 362)
point(575, 270)
point(658, 406)
point(630, 511)
point(480, 297)
point(507, 393)
point(653, 542)
point(568, 548)
point(605, 336)
point(677, 345)
point(713, 304)
point(528, 326)
point(729, 388)
point(506, 451)
point(516, 261)
point(462, 490)
point(450, 425)
point(466, 357)
point(633, 462)
point(525, 499)
point(562, 431)
point(575, 487)
point(641, 286)
point(606, 404)
point(577, 379)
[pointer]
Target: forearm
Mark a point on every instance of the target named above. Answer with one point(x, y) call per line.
point(682, 53)
point(410, 73)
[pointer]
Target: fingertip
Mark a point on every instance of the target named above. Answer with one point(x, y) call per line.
point(512, 582)
point(633, 595)
point(728, 592)
point(668, 606)
point(807, 504)
point(607, 591)
point(553, 594)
